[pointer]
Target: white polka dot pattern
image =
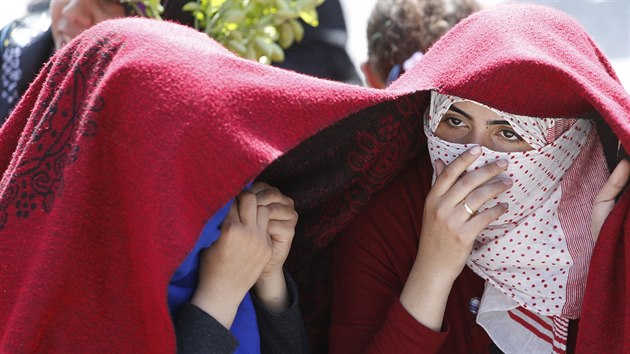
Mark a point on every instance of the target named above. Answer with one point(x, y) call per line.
point(525, 253)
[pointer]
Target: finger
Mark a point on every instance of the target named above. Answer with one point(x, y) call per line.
point(272, 195)
point(484, 193)
point(480, 221)
point(451, 173)
point(232, 215)
point(473, 180)
point(439, 167)
point(615, 184)
point(279, 211)
point(247, 208)
point(258, 186)
point(262, 218)
point(281, 231)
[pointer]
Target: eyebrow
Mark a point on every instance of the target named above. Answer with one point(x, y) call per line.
point(488, 123)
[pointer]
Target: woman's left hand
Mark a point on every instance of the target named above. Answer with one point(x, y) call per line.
point(282, 221)
point(271, 285)
point(605, 199)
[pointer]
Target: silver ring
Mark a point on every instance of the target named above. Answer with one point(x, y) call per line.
point(469, 210)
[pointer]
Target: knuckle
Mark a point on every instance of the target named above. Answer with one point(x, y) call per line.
point(494, 168)
point(466, 181)
point(273, 208)
point(263, 209)
point(260, 184)
point(441, 212)
point(263, 196)
point(247, 197)
point(448, 172)
point(473, 196)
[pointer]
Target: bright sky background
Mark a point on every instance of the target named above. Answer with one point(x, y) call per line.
point(10, 9)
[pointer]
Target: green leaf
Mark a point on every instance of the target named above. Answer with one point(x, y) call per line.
point(310, 17)
point(190, 6)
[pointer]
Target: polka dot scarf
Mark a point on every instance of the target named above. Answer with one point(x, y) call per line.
point(535, 257)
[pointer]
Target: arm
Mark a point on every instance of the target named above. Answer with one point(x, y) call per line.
point(371, 261)
point(284, 331)
point(198, 332)
point(275, 294)
point(255, 240)
point(231, 266)
point(398, 298)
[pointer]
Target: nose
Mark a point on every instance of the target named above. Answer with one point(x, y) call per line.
point(478, 137)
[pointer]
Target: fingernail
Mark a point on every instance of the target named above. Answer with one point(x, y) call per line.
point(475, 150)
point(505, 206)
point(506, 181)
point(502, 163)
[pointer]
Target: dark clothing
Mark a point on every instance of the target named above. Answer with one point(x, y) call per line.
point(25, 47)
point(198, 332)
point(322, 51)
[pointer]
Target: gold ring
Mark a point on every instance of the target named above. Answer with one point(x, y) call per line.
point(469, 210)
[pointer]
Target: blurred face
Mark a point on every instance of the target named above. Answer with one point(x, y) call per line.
point(71, 17)
point(470, 123)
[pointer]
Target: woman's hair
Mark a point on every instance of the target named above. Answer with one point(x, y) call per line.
point(398, 28)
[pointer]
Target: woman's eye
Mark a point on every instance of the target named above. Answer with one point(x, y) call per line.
point(510, 135)
point(454, 122)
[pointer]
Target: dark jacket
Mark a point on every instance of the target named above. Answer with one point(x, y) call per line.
point(27, 45)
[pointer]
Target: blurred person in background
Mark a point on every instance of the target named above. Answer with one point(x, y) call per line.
point(399, 32)
point(322, 52)
point(27, 43)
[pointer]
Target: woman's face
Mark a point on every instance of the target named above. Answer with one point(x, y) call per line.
point(471, 123)
point(71, 17)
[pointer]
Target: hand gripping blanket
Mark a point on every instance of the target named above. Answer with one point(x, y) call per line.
point(136, 133)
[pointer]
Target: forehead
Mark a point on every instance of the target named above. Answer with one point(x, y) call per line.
point(476, 111)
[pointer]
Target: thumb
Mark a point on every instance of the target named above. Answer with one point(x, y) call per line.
point(615, 184)
point(605, 199)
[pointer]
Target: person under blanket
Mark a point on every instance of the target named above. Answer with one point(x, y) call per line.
point(242, 247)
point(138, 132)
point(490, 253)
point(26, 45)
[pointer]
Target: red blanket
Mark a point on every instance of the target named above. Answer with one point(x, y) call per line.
point(137, 132)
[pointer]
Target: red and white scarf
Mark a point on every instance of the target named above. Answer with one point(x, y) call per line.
point(535, 257)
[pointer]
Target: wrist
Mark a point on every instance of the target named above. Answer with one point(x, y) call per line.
point(221, 304)
point(425, 295)
point(272, 291)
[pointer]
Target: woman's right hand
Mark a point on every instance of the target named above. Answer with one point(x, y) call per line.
point(231, 266)
point(449, 231)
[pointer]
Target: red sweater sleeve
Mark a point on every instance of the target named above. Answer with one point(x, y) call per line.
point(372, 260)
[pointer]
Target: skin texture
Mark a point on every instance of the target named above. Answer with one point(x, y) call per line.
point(255, 241)
point(470, 123)
point(448, 230)
point(71, 17)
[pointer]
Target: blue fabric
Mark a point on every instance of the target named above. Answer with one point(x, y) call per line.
point(184, 282)
point(394, 74)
